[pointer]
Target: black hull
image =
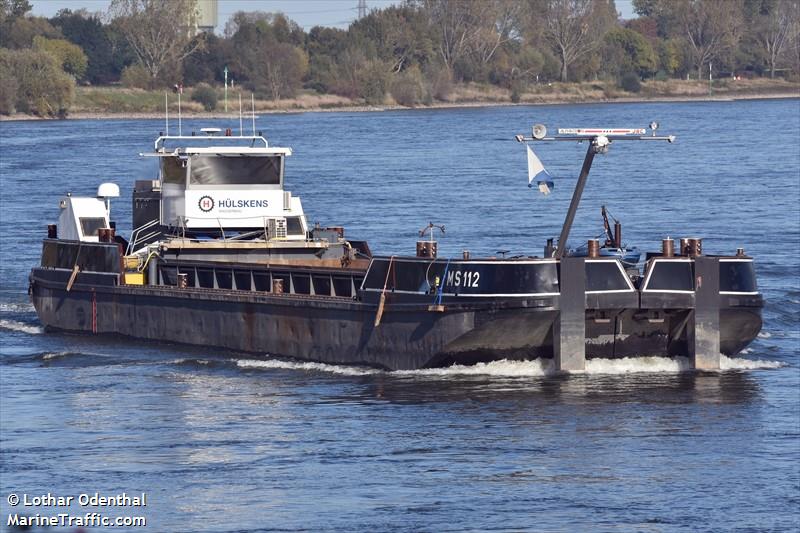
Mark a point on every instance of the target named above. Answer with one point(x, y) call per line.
point(342, 331)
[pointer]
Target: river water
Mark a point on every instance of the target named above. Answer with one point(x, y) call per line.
point(225, 444)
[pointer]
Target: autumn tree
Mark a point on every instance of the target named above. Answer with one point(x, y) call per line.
point(500, 26)
point(575, 28)
point(69, 56)
point(456, 24)
point(778, 30)
point(40, 86)
point(160, 32)
point(709, 27)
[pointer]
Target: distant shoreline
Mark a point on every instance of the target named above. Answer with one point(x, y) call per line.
point(531, 100)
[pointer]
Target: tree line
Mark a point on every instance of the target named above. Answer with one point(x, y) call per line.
point(414, 51)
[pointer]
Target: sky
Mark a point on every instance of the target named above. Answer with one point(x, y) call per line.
point(307, 13)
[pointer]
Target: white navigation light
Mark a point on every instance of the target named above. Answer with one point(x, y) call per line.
point(601, 131)
point(601, 143)
point(539, 131)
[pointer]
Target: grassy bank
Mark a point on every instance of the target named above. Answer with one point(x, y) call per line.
point(99, 102)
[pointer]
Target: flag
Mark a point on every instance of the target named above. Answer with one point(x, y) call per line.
point(536, 171)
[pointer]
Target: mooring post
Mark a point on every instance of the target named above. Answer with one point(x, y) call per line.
point(569, 329)
point(152, 271)
point(703, 326)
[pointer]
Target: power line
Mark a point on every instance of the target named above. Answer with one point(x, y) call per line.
point(296, 12)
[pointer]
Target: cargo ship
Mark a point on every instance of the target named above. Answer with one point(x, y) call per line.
point(222, 255)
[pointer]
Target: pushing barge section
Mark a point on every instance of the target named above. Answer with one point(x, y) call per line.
point(222, 256)
point(482, 310)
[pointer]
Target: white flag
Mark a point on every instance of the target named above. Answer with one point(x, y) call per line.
point(536, 171)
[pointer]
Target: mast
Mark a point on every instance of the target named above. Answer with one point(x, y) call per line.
point(600, 140)
point(576, 199)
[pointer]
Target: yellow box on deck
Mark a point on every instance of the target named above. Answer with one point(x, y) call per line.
point(132, 261)
point(134, 278)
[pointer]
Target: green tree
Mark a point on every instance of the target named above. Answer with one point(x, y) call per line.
point(207, 64)
point(69, 56)
point(669, 55)
point(267, 63)
point(628, 51)
point(42, 87)
point(709, 27)
point(18, 30)
point(400, 35)
point(13, 9)
point(323, 46)
point(88, 31)
point(8, 86)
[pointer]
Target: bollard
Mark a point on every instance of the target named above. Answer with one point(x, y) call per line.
point(594, 248)
point(277, 286)
point(668, 247)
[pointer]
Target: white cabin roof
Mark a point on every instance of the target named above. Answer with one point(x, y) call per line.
point(236, 150)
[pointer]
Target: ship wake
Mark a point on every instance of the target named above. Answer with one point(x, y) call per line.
point(20, 327)
point(533, 368)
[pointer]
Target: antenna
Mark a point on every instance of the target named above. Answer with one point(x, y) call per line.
point(240, 114)
point(180, 125)
point(253, 104)
point(166, 113)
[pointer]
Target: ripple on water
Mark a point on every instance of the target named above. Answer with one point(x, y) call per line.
point(21, 327)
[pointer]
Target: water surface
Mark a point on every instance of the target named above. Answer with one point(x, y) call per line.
point(221, 444)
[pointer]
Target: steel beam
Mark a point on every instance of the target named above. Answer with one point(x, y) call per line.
point(576, 199)
point(569, 329)
point(703, 326)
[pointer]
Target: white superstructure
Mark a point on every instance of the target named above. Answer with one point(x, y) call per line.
point(224, 187)
point(80, 216)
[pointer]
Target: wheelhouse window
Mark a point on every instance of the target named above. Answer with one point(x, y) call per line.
point(671, 276)
point(605, 276)
point(235, 170)
point(173, 170)
point(737, 276)
point(90, 225)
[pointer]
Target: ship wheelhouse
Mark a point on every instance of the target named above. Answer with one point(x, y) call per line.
point(219, 189)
